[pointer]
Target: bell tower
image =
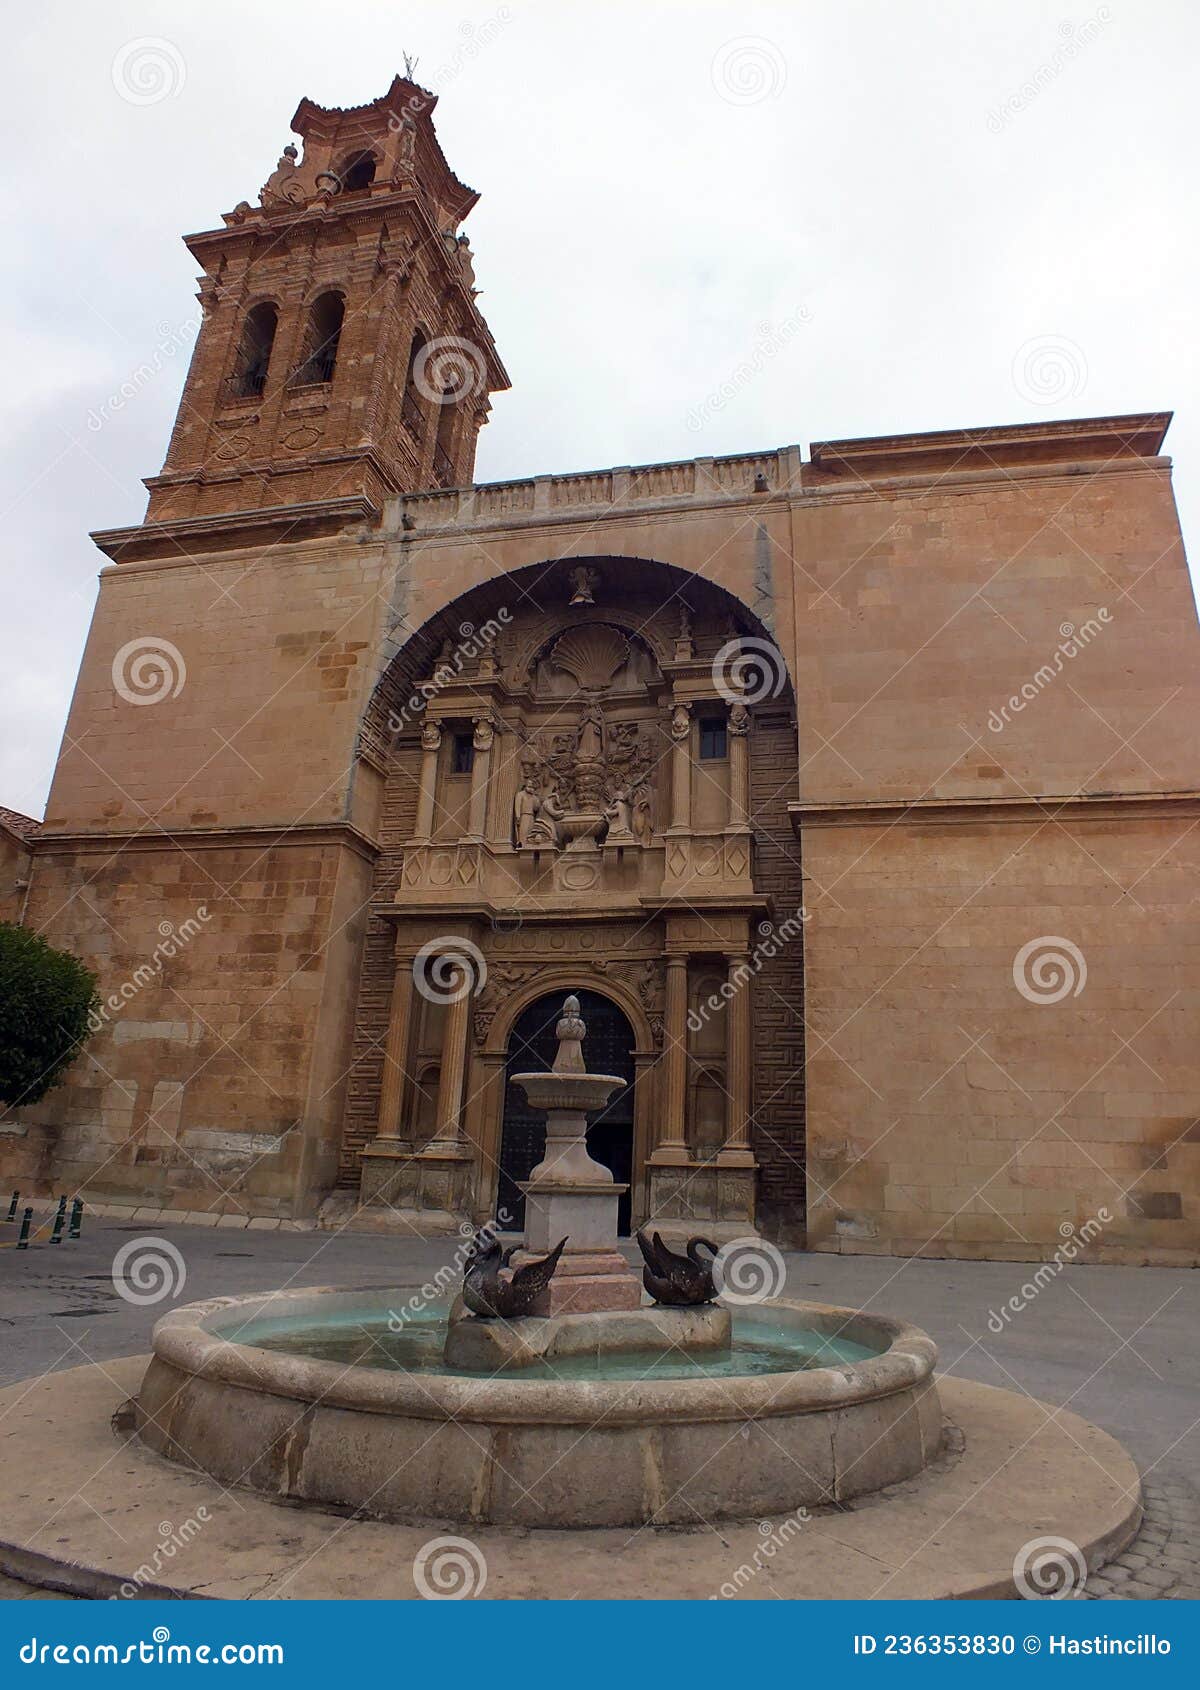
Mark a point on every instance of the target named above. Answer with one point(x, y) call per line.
point(341, 351)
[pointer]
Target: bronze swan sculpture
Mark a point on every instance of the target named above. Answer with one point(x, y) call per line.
point(674, 1280)
point(489, 1296)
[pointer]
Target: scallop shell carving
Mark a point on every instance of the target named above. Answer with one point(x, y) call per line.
point(591, 655)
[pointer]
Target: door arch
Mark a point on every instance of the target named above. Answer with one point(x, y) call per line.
point(608, 1048)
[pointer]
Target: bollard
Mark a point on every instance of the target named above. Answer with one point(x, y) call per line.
point(59, 1218)
point(12, 1207)
point(73, 1231)
point(23, 1240)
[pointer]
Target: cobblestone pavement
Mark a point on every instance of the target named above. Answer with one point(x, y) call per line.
point(1164, 1558)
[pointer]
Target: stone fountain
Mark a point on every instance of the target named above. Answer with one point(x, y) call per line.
point(597, 1408)
point(569, 1194)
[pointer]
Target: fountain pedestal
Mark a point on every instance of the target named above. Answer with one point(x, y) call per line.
point(569, 1194)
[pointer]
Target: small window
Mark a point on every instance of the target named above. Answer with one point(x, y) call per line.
point(357, 172)
point(464, 754)
point(713, 739)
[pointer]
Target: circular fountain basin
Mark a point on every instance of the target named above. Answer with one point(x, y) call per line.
point(341, 1399)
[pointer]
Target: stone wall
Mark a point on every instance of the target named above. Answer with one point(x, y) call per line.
point(215, 1077)
point(957, 1107)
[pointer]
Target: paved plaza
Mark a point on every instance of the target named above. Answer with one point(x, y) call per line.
point(1112, 1344)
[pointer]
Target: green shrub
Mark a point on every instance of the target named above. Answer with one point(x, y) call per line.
point(46, 998)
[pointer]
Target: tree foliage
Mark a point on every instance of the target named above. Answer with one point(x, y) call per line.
point(46, 999)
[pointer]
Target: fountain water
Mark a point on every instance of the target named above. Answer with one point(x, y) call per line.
point(594, 1409)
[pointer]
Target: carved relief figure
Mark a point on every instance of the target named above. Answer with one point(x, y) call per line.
point(618, 813)
point(584, 581)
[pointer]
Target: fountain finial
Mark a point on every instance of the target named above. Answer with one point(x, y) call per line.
point(570, 1034)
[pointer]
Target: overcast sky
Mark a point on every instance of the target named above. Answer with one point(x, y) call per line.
point(906, 215)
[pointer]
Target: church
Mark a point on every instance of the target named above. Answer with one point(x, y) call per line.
point(854, 791)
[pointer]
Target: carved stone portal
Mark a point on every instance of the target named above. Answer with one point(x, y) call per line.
point(587, 775)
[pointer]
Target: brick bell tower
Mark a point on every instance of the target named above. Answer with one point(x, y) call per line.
point(341, 353)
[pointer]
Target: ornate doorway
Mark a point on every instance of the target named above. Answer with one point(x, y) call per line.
point(607, 1049)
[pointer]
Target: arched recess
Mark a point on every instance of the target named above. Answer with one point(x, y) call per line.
point(534, 584)
point(487, 639)
point(530, 1046)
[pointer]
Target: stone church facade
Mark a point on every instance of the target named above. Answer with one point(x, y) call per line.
point(856, 793)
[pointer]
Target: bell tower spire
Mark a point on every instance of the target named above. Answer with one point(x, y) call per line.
point(341, 351)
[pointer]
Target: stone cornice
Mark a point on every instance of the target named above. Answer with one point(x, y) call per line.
point(1092, 439)
point(1068, 807)
point(230, 528)
point(158, 838)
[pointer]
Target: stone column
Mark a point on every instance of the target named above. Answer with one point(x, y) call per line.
point(739, 767)
point(681, 769)
point(736, 1150)
point(431, 739)
point(672, 1146)
point(484, 734)
point(447, 1134)
point(395, 1055)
